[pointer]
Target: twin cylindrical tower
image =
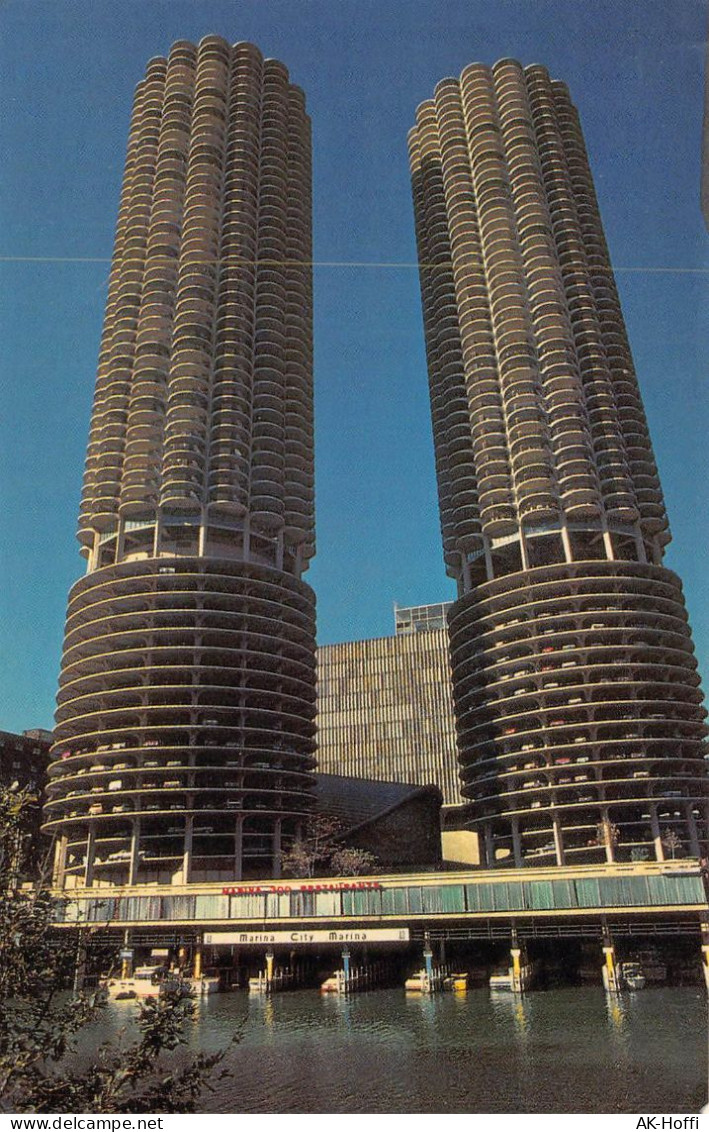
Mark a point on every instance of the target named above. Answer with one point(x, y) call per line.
point(580, 719)
point(185, 726)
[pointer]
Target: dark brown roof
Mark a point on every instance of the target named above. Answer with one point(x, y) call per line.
point(358, 801)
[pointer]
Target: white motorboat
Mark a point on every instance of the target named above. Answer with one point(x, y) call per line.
point(145, 982)
point(632, 976)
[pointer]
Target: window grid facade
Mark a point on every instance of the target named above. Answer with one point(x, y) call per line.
point(385, 711)
point(401, 897)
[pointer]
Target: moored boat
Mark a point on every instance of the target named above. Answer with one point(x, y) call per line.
point(145, 982)
point(425, 982)
point(280, 980)
point(335, 984)
point(632, 976)
point(207, 984)
point(509, 980)
point(456, 982)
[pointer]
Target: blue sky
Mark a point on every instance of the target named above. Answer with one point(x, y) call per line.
point(68, 69)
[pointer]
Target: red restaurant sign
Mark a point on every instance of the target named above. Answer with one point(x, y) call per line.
point(284, 889)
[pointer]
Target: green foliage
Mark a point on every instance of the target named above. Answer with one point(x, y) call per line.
point(135, 1076)
point(42, 1020)
point(34, 966)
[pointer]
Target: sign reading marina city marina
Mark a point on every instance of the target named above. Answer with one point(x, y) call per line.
point(354, 935)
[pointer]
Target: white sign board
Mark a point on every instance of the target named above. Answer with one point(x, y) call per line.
point(298, 938)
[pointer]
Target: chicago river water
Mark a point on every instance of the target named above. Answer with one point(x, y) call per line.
point(560, 1050)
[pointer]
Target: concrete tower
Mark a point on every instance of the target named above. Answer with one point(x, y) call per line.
point(579, 714)
point(185, 731)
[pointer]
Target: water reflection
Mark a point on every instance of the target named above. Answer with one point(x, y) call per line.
point(424, 1008)
point(617, 1015)
point(562, 1050)
point(512, 1008)
point(263, 1007)
point(340, 1007)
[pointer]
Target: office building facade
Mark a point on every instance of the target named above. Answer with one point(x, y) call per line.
point(420, 618)
point(185, 722)
point(24, 758)
point(579, 712)
point(23, 766)
point(385, 706)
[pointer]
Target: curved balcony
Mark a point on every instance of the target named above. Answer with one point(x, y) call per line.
point(578, 706)
point(187, 696)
